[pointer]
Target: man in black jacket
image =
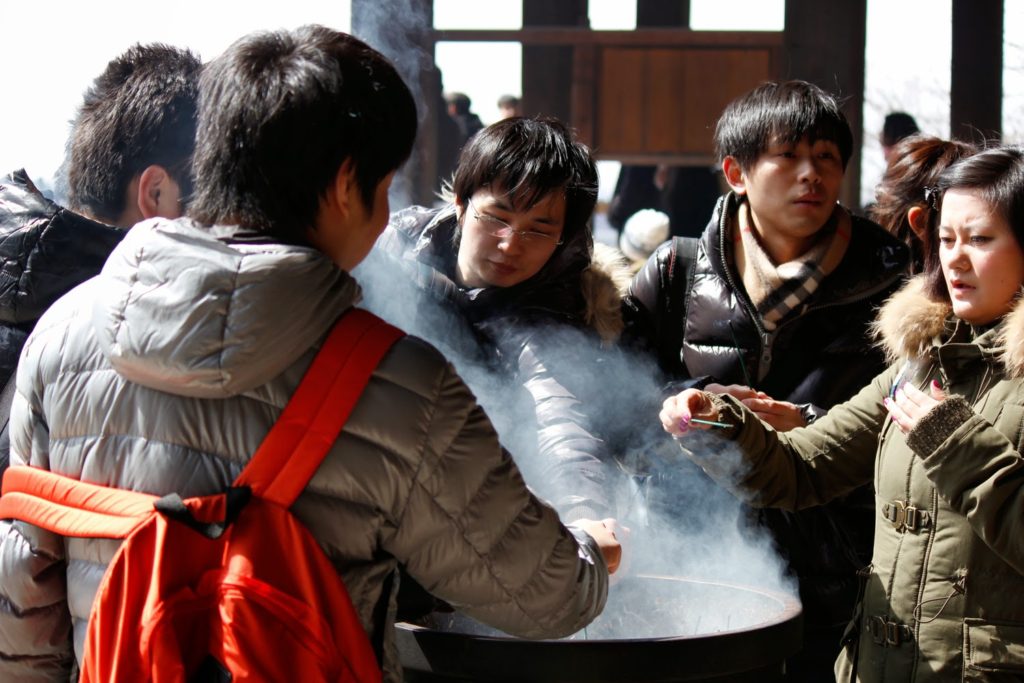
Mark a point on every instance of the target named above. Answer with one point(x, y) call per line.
point(129, 153)
point(773, 305)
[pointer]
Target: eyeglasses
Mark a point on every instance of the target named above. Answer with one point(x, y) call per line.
point(499, 228)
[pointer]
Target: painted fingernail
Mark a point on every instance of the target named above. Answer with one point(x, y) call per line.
point(936, 384)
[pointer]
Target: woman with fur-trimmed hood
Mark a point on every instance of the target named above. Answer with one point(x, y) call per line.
point(510, 264)
point(939, 433)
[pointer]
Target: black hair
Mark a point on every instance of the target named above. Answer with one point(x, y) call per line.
point(780, 112)
point(897, 126)
point(997, 175)
point(528, 159)
point(280, 113)
point(460, 101)
point(140, 111)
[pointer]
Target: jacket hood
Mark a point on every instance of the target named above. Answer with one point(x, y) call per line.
point(212, 312)
point(604, 283)
point(45, 249)
point(910, 322)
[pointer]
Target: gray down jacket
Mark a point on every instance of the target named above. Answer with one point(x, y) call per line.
point(165, 372)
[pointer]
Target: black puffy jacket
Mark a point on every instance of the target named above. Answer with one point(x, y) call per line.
point(45, 251)
point(818, 356)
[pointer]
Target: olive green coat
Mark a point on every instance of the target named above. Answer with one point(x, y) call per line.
point(944, 597)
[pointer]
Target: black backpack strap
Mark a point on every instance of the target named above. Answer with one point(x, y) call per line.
point(676, 296)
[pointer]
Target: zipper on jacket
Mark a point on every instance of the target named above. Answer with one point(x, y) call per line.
point(767, 345)
point(766, 338)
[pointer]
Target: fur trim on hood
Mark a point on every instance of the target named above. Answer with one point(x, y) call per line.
point(1011, 338)
point(604, 284)
point(910, 321)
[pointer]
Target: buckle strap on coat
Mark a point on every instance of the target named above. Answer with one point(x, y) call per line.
point(888, 633)
point(904, 516)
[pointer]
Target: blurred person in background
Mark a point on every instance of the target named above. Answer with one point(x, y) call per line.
point(459, 108)
point(509, 106)
point(896, 126)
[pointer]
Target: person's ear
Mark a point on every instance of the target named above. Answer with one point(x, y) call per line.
point(460, 210)
point(157, 194)
point(918, 221)
point(343, 191)
point(734, 175)
point(334, 208)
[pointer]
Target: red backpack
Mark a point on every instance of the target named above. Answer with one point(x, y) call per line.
point(227, 587)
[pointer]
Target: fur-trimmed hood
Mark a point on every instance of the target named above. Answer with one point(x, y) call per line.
point(910, 322)
point(604, 284)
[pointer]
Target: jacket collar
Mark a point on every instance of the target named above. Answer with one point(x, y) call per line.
point(911, 322)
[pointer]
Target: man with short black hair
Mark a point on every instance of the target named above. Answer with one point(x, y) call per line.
point(128, 159)
point(773, 305)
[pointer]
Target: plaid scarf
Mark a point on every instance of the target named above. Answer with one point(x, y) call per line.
point(777, 289)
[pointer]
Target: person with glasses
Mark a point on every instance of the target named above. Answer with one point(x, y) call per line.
point(772, 305)
point(505, 280)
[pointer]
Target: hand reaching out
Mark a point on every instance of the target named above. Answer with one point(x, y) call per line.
point(678, 411)
point(609, 535)
point(781, 415)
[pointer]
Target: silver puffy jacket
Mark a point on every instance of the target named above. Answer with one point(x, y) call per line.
point(165, 372)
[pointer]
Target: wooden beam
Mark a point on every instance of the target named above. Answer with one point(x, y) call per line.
point(408, 42)
point(548, 69)
point(662, 13)
point(824, 44)
point(649, 37)
point(976, 84)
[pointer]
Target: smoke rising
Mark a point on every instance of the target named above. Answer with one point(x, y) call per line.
point(684, 526)
point(398, 29)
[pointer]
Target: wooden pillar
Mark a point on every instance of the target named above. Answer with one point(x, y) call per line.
point(548, 70)
point(403, 32)
point(662, 13)
point(976, 86)
point(824, 44)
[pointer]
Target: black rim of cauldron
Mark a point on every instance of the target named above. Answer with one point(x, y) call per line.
point(763, 647)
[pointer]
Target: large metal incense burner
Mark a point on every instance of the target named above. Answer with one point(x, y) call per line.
point(655, 629)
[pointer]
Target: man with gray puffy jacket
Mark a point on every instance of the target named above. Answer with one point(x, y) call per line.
point(164, 373)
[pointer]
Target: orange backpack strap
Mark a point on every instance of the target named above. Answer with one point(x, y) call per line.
point(311, 422)
point(70, 507)
point(307, 428)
